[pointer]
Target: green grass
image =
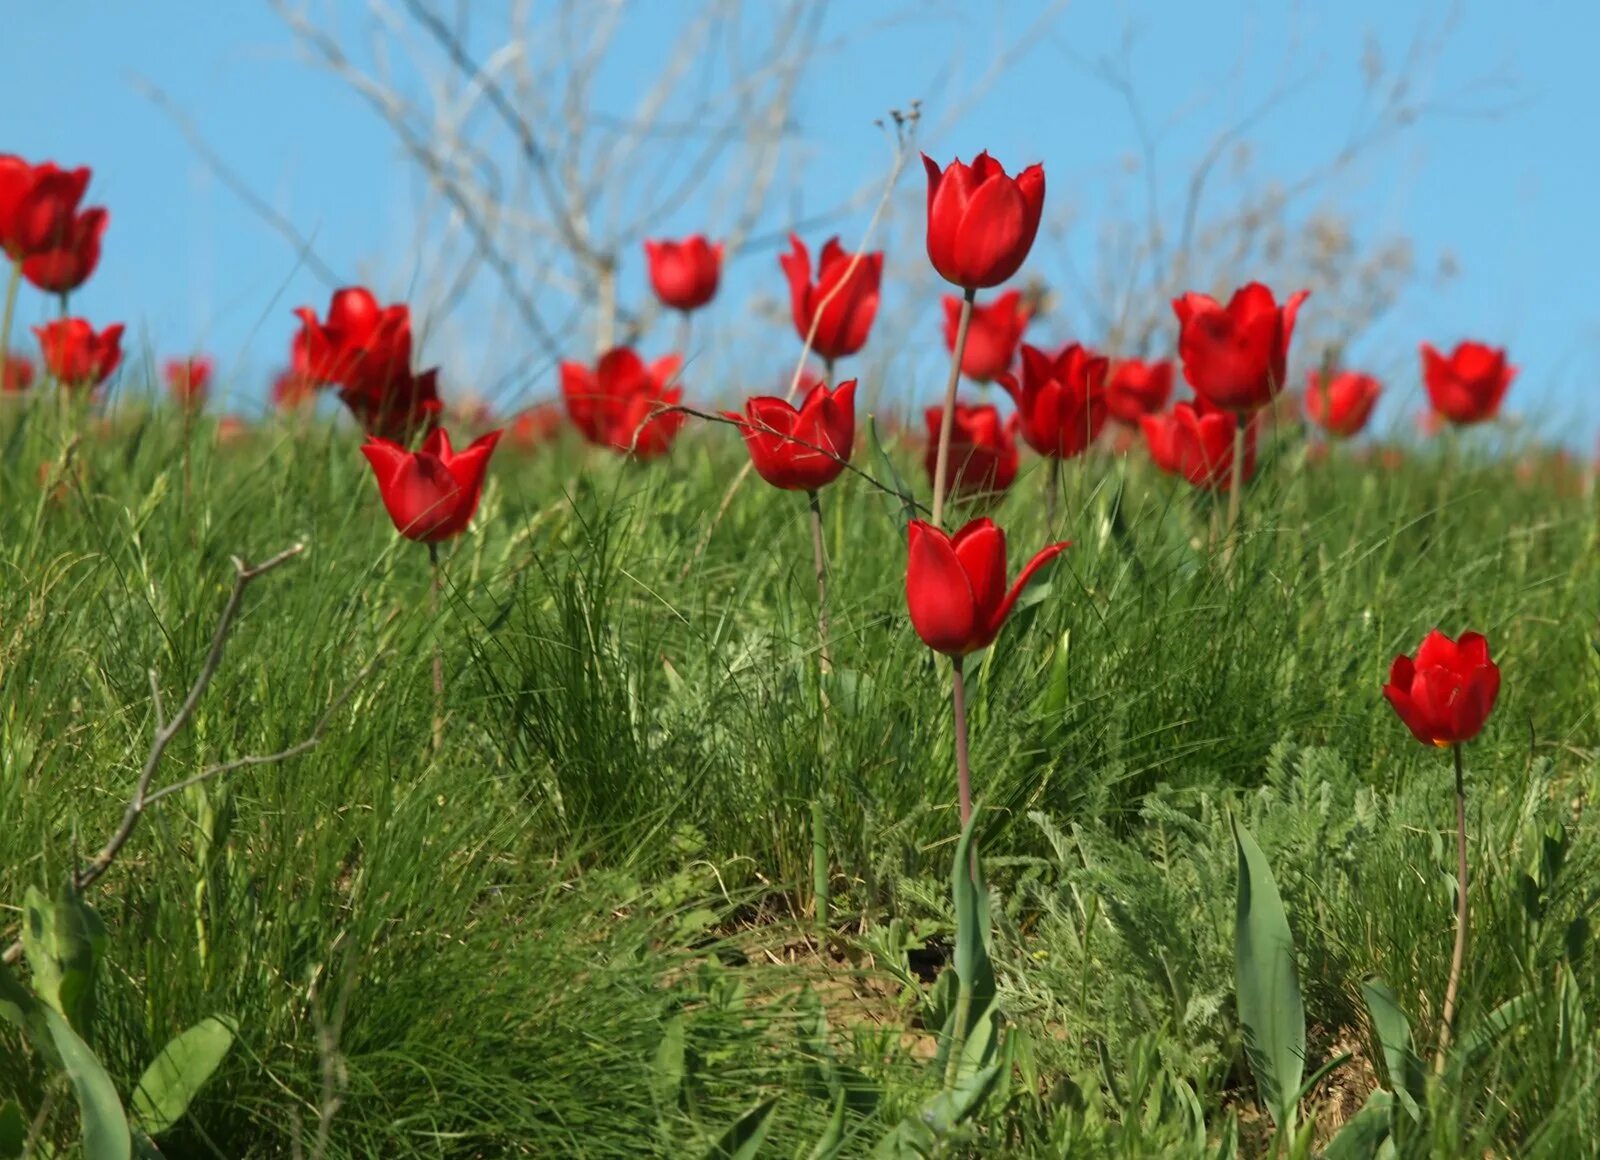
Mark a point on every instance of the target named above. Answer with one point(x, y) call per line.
point(483, 951)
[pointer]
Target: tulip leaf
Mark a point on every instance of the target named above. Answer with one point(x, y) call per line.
point(1365, 1135)
point(1406, 1074)
point(64, 940)
point(13, 1130)
point(1477, 1042)
point(744, 1137)
point(176, 1076)
point(1271, 1013)
point(105, 1125)
point(831, 1141)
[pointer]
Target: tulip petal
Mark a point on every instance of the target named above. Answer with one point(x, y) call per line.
point(1040, 559)
point(1400, 698)
point(981, 548)
point(938, 595)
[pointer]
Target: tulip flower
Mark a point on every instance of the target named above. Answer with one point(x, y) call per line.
point(1236, 355)
point(1468, 386)
point(835, 312)
point(189, 380)
point(804, 449)
point(981, 223)
point(992, 335)
point(684, 274)
point(77, 356)
point(1444, 695)
point(1061, 402)
point(1341, 404)
point(1137, 389)
point(536, 426)
point(956, 585)
point(232, 429)
point(1161, 440)
point(982, 450)
point(16, 374)
point(404, 405)
point(431, 494)
point(1204, 442)
point(623, 403)
point(362, 347)
point(67, 263)
point(958, 600)
point(37, 205)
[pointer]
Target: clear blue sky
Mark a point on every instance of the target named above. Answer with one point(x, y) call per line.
point(1510, 197)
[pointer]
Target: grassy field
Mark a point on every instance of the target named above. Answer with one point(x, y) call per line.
point(584, 924)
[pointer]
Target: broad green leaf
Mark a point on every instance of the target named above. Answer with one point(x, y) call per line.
point(1365, 1134)
point(64, 940)
point(1271, 1013)
point(974, 968)
point(667, 1066)
point(105, 1125)
point(1406, 1074)
point(176, 1076)
point(13, 1130)
point(1477, 1042)
point(744, 1137)
point(831, 1141)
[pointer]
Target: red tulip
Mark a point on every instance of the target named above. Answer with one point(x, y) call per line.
point(37, 205)
point(16, 374)
point(537, 425)
point(825, 427)
point(616, 405)
point(189, 380)
point(1161, 439)
point(841, 303)
point(1468, 386)
point(67, 263)
point(431, 494)
point(75, 355)
point(1342, 405)
point(956, 586)
point(983, 449)
point(292, 389)
point(992, 334)
point(1236, 355)
point(1445, 695)
point(232, 429)
point(405, 405)
point(362, 347)
point(684, 274)
point(1061, 400)
point(981, 223)
point(1202, 445)
point(1137, 389)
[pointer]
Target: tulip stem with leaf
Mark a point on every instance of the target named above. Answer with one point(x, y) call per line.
point(947, 415)
point(436, 586)
point(1444, 695)
point(819, 557)
point(958, 705)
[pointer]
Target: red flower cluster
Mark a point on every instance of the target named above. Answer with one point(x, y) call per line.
point(1342, 405)
point(619, 403)
point(1061, 400)
point(364, 349)
point(42, 227)
point(1195, 440)
point(983, 449)
point(1137, 389)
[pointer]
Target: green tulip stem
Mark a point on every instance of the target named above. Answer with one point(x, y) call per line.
point(1459, 954)
point(1235, 487)
point(438, 654)
point(820, 558)
point(12, 284)
point(947, 420)
point(1051, 493)
point(958, 700)
point(685, 329)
